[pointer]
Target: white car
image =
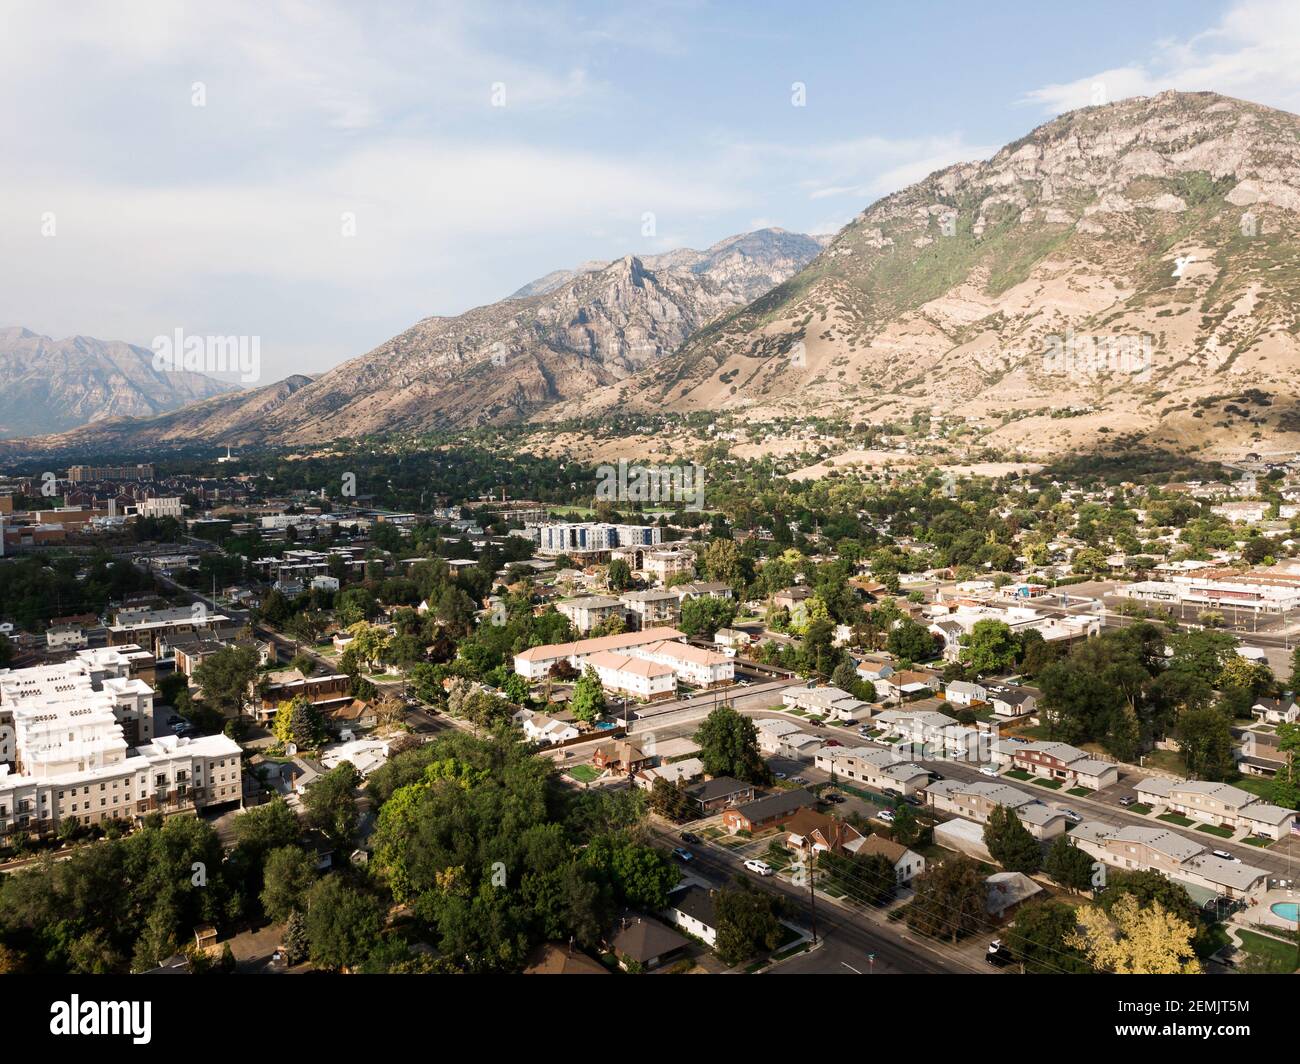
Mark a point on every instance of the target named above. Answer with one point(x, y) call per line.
point(1224, 855)
point(760, 868)
point(988, 770)
point(885, 816)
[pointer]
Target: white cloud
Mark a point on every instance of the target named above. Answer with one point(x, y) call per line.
point(1251, 54)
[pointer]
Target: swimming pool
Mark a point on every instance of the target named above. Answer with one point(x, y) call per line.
point(1286, 909)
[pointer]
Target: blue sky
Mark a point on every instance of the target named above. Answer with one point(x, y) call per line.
point(356, 167)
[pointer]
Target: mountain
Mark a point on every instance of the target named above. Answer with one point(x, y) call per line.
point(52, 385)
point(1124, 271)
point(501, 362)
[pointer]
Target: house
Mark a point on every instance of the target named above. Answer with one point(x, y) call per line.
point(907, 864)
point(1007, 891)
point(976, 801)
point(646, 943)
point(795, 601)
point(687, 771)
point(924, 726)
point(1182, 859)
point(1218, 803)
point(873, 670)
point(811, 832)
point(324, 692)
point(551, 958)
point(621, 756)
point(732, 638)
point(544, 729)
point(769, 811)
point(358, 715)
point(965, 693)
point(908, 683)
point(1284, 710)
point(876, 767)
point(691, 909)
point(1011, 701)
point(704, 589)
point(723, 792)
point(1059, 761)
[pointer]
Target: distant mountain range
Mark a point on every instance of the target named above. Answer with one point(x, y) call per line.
point(53, 385)
point(1124, 274)
point(573, 331)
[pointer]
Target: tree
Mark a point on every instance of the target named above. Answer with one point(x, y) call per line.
point(728, 745)
point(287, 877)
point(588, 702)
point(1135, 939)
point(619, 575)
point(343, 924)
point(1037, 940)
point(867, 878)
point(1068, 865)
point(1010, 843)
point(227, 678)
point(670, 800)
point(950, 900)
point(911, 641)
point(298, 721)
point(331, 806)
point(905, 828)
point(989, 648)
point(1205, 738)
point(703, 615)
point(747, 922)
point(296, 944)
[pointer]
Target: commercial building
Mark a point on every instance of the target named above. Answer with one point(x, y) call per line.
point(85, 474)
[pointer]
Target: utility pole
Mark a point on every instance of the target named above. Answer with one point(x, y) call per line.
point(812, 889)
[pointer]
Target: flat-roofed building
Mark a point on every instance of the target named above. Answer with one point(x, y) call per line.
point(977, 800)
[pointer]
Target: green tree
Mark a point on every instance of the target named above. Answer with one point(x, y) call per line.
point(619, 575)
point(989, 648)
point(1068, 865)
point(343, 924)
point(1010, 843)
point(950, 900)
point(331, 803)
point(1037, 940)
point(703, 615)
point(226, 678)
point(748, 922)
point(1205, 738)
point(287, 877)
point(728, 744)
point(588, 702)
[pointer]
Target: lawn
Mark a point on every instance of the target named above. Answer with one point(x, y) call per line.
point(1080, 792)
point(1175, 818)
point(1053, 785)
point(1256, 785)
point(584, 773)
point(1213, 829)
point(1280, 953)
point(1140, 809)
point(1017, 774)
point(1168, 760)
point(1258, 840)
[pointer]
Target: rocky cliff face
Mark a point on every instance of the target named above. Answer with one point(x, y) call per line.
point(52, 385)
point(1127, 269)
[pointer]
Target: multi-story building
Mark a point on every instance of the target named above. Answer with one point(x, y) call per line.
point(1058, 761)
point(666, 646)
point(873, 766)
point(590, 611)
point(651, 608)
point(325, 692)
point(1218, 803)
point(577, 538)
point(71, 759)
point(84, 474)
point(976, 801)
point(154, 628)
point(1181, 859)
point(663, 565)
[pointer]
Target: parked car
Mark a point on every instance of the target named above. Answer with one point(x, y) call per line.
point(989, 771)
point(912, 799)
point(1072, 816)
point(834, 799)
point(885, 816)
point(1017, 739)
point(797, 779)
point(778, 775)
point(760, 868)
point(998, 958)
point(682, 854)
point(172, 718)
point(893, 792)
point(935, 776)
point(691, 837)
point(1128, 799)
point(1224, 855)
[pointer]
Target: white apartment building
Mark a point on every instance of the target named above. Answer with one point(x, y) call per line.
point(663, 565)
point(627, 674)
point(651, 608)
point(873, 766)
point(575, 538)
point(71, 759)
point(590, 611)
point(976, 801)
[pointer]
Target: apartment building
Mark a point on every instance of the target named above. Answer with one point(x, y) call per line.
point(785, 739)
point(85, 474)
point(873, 766)
point(71, 759)
point(1218, 803)
point(627, 674)
point(325, 692)
point(590, 611)
point(648, 609)
point(578, 537)
point(1138, 847)
point(832, 702)
point(976, 801)
point(160, 507)
point(665, 646)
point(663, 565)
point(1058, 761)
point(152, 629)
